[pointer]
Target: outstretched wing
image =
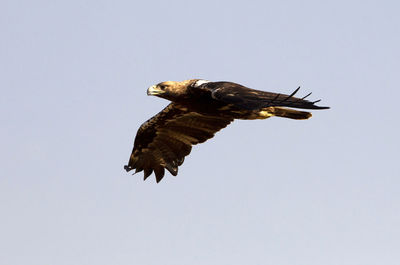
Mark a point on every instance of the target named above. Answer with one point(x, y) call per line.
point(252, 99)
point(164, 140)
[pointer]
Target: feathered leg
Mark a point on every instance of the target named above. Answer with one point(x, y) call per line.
point(283, 112)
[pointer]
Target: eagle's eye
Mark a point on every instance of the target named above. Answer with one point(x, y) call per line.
point(162, 87)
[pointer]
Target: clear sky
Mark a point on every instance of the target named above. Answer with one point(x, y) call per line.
point(73, 79)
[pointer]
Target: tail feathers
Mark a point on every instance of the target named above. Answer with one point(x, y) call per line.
point(288, 113)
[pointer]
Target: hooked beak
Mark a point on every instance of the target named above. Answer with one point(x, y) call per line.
point(154, 91)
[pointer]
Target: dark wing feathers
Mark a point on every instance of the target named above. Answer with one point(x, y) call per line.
point(164, 140)
point(252, 99)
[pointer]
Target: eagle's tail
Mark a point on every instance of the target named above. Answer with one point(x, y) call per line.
point(285, 113)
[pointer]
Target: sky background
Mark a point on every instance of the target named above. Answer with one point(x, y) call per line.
point(73, 79)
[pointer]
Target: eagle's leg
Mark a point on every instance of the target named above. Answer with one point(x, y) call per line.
point(283, 112)
point(265, 113)
point(252, 114)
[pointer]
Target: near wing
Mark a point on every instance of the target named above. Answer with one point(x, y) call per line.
point(164, 140)
point(252, 99)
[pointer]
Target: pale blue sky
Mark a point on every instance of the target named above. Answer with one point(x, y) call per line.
point(73, 79)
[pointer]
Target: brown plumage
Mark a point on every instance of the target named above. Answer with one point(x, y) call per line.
point(198, 110)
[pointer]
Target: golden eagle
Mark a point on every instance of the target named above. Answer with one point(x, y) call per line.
point(199, 109)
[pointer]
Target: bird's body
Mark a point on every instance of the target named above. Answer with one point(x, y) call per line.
point(198, 110)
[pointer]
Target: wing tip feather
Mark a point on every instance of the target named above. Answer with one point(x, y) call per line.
point(128, 168)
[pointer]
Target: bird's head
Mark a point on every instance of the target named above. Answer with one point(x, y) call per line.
point(171, 90)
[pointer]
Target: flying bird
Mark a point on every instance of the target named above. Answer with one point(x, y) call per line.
point(198, 109)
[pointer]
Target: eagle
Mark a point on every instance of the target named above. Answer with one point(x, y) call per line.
point(198, 109)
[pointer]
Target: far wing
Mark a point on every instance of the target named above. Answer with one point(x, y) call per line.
point(252, 99)
point(164, 140)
